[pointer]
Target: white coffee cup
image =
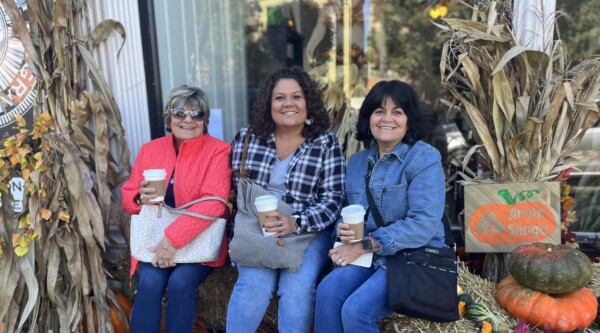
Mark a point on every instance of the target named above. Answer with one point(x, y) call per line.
point(354, 216)
point(156, 179)
point(265, 204)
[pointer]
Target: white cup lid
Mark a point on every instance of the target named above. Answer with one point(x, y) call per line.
point(265, 203)
point(353, 214)
point(155, 173)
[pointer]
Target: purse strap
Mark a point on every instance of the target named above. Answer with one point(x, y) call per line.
point(181, 209)
point(448, 237)
point(372, 207)
point(245, 174)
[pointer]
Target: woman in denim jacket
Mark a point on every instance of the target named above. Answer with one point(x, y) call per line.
point(408, 186)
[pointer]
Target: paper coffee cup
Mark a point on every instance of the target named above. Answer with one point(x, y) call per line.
point(156, 179)
point(265, 204)
point(354, 216)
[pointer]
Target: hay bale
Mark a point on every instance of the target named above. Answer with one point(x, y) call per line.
point(215, 292)
point(482, 291)
point(595, 282)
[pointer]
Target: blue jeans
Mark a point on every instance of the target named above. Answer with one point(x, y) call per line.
point(255, 286)
point(181, 282)
point(352, 299)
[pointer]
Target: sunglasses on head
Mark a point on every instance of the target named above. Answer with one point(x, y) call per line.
point(181, 114)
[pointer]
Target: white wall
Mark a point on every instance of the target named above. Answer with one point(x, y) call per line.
point(125, 75)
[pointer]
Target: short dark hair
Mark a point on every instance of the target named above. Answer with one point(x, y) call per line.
point(403, 96)
point(261, 122)
point(189, 96)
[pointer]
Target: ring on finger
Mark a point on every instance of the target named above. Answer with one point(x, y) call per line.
point(281, 223)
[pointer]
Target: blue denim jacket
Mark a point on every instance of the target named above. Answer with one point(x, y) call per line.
point(408, 186)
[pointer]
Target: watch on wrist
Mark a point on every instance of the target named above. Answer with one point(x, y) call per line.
point(298, 225)
point(366, 243)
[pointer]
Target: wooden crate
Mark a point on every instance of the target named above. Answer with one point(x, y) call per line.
point(501, 217)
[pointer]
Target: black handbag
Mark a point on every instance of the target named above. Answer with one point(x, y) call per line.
point(421, 282)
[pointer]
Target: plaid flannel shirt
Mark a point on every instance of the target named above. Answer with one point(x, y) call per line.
point(314, 179)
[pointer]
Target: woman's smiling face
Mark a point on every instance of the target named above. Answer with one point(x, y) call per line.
point(288, 105)
point(186, 128)
point(388, 125)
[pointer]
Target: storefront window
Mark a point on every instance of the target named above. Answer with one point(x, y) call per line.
point(202, 43)
point(578, 28)
point(230, 47)
point(349, 46)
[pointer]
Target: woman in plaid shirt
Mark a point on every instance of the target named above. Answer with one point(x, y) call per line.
point(292, 154)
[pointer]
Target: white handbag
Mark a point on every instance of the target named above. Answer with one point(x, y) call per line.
point(147, 229)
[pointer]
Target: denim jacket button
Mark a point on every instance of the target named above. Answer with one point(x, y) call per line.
point(281, 242)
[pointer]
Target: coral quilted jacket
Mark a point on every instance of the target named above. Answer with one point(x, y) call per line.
point(201, 169)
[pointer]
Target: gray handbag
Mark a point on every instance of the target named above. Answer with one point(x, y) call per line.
point(249, 247)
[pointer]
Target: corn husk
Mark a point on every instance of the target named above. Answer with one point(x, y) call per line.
point(81, 156)
point(339, 107)
point(527, 110)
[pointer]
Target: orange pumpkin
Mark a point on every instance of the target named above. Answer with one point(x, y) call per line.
point(115, 318)
point(561, 312)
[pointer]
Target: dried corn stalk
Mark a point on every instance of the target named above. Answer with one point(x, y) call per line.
point(338, 106)
point(72, 159)
point(526, 109)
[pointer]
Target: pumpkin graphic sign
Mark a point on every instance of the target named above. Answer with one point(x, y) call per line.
point(501, 217)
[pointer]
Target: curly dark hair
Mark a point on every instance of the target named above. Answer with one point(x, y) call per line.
point(403, 96)
point(261, 122)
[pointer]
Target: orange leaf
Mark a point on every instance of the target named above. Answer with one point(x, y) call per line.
point(26, 173)
point(15, 239)
point(46, 214)
point(14, 159)
point(24, 151)
point(567, 203)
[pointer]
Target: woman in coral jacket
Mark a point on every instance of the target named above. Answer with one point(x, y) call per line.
point(197, 166)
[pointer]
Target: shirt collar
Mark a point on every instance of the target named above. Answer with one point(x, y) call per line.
point(399, 152)
point(188, 141)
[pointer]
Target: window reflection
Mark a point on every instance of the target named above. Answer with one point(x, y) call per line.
point(577, 26)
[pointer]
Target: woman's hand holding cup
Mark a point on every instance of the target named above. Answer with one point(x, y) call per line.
point(346, 234)
point(353, 226)
point(278, 224)
point(153, 187)
point(146, 193)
